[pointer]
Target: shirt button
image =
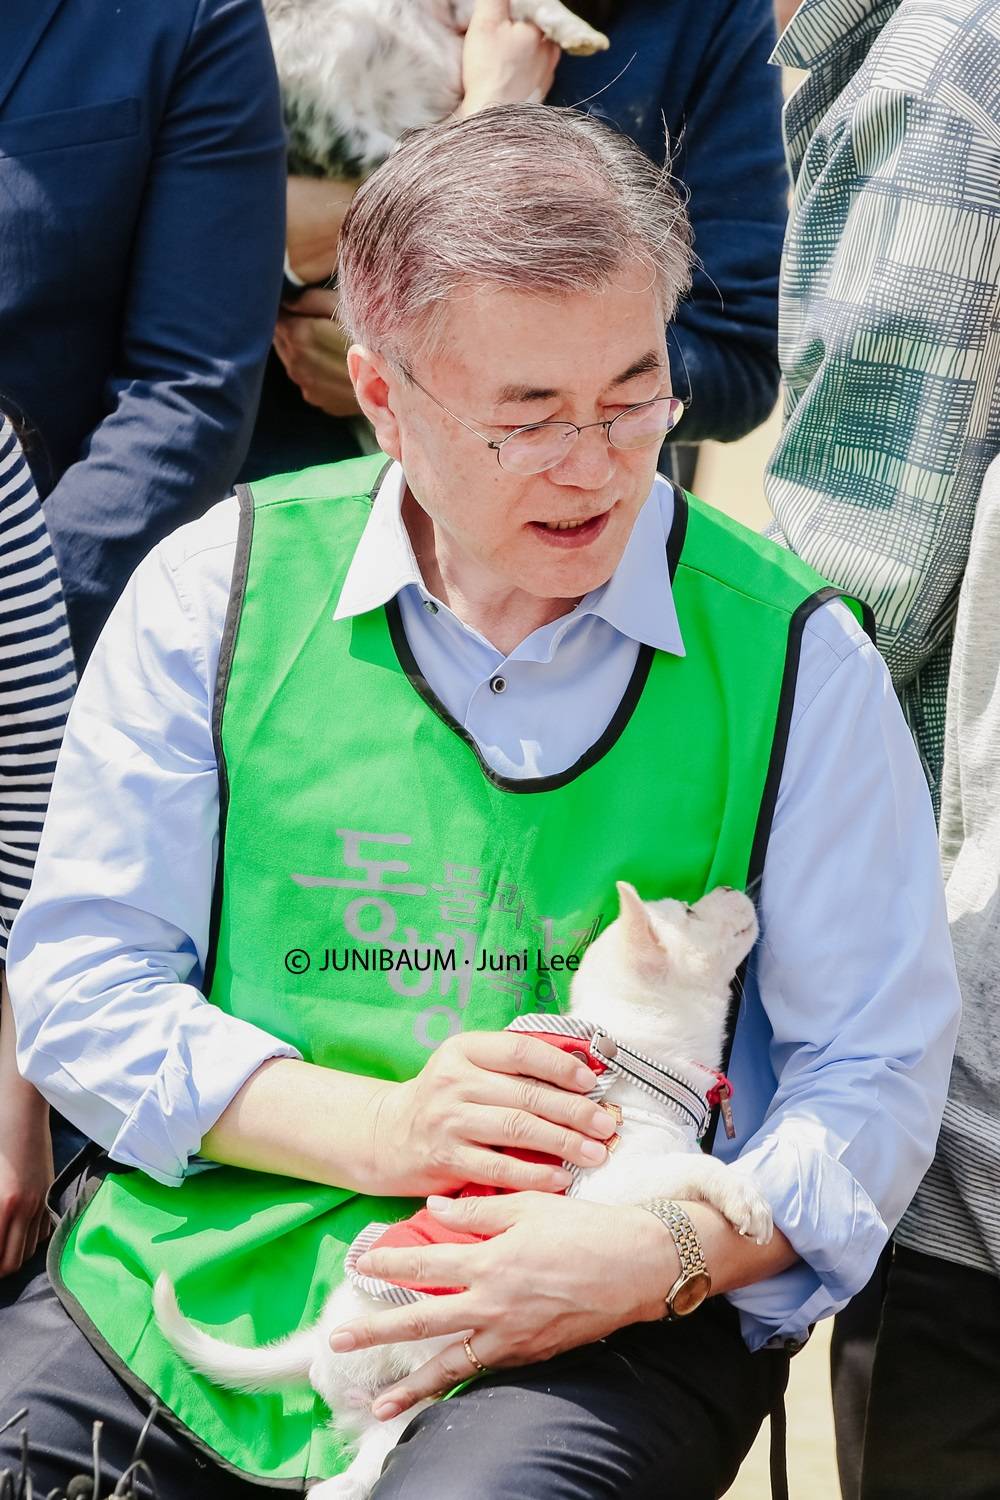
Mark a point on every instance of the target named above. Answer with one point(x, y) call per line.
point(498, 684)
point(430, 606)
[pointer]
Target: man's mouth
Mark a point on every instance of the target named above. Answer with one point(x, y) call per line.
point(575, 532)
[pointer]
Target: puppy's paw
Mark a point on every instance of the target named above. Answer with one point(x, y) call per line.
point(746, 1210)
point(560, 25)
point(581, 40)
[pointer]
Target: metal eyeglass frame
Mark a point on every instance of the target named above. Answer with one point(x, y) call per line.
point(534, 426)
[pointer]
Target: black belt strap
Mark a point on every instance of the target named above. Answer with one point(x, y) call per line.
point(779, 1449)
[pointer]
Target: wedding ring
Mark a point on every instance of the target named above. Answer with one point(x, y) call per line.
point(467, 1346)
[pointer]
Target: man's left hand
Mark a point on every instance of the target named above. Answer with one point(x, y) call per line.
point(559, 1273)
point(314, 352)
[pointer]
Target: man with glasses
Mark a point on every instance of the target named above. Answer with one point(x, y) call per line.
point(434, 704)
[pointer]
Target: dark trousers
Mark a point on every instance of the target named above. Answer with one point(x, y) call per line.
point(656, 1412)
point(934, 1414)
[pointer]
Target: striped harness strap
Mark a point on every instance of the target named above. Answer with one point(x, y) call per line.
point(689, 1089)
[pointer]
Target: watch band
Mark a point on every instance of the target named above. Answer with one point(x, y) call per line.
point(694, 1276)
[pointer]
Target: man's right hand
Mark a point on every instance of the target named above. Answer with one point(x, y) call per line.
point(478, 1092)
point(504, 61)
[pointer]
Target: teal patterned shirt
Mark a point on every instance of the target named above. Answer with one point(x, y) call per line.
point(890, 316)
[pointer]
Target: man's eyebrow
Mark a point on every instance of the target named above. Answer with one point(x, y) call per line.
point(517, 394)
point(644, 365)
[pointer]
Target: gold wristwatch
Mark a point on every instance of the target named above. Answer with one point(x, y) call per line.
point(694, 1283)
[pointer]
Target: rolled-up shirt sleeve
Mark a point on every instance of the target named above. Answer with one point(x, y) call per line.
point(856, 982)
point(107, 954)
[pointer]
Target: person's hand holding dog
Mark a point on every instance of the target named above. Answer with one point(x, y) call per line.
point(554, 1274)
point(479, 1092)
point(504, 61)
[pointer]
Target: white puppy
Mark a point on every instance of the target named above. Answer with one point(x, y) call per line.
point(657, 982)
point(356, 74)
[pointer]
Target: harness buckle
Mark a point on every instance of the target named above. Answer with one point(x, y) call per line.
point(604, 1045)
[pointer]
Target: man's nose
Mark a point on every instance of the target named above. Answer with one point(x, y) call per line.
point(589, 464)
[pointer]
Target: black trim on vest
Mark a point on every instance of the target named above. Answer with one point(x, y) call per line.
point(619, 720)
point(74, 1202)
point(227, 650)
point(768, 801)
point(678, 529)
point(590, 757)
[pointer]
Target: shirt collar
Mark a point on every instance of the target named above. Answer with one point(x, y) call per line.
point(821, 28)
point(637, 599)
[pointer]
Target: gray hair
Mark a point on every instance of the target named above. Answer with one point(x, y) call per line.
point(519, 195)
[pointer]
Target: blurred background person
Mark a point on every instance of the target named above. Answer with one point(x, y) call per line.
point(142, 162)
point(889, 329)
point(695, 71)
point(36, 685)
point(934, 1417)
point(889, 346)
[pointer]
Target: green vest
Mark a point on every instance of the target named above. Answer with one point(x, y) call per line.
point(379, 887)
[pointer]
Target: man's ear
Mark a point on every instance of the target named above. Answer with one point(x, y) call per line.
point(374, 382)
point(637, 925)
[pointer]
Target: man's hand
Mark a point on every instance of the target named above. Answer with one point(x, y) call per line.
point(25, 1152)
point(314, 352)
point(316, 209)
point(558, 1274)
point(436, 1132)
point(26, 1175)
point(504, 61)
point(480, 1091)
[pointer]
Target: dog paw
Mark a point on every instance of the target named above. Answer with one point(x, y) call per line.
point(579, 39)
point(747, 1211)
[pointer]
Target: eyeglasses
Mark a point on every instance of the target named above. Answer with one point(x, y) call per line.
point(542, 445)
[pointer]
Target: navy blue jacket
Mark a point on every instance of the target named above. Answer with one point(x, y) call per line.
point(701, 67)
point(142, 193)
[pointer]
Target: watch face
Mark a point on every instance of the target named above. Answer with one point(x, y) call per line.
point(690, 1294)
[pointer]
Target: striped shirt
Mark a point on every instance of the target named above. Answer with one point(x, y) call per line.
point(37, 678)
point(956, 1212)
point(889, 335)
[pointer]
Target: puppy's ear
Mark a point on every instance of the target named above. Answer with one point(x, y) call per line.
point(638, 930)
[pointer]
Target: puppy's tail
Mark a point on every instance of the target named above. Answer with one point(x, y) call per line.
point(238, 1369)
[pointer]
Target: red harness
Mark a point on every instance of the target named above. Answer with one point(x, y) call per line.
point(423, 1229)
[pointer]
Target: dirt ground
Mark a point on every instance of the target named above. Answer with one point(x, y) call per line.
point(812, 1470)
point(730, 476)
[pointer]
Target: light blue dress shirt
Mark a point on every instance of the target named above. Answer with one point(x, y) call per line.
point(848, 1023)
